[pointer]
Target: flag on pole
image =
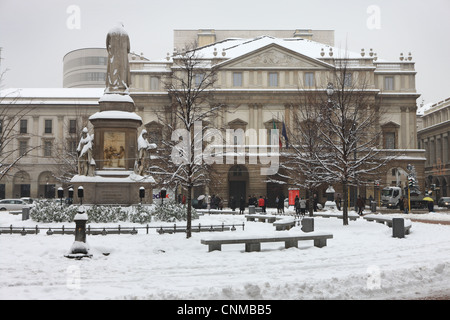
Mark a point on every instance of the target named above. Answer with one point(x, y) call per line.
point(279, 138)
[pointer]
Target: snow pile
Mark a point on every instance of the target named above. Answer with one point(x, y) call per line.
point(362, 261)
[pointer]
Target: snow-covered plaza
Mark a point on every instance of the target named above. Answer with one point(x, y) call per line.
point(362, 261)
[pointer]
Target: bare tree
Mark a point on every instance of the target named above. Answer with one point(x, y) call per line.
point(65, 154)
point(305, 147)
point(351, 132)
point(192, 111)
point(11, 115)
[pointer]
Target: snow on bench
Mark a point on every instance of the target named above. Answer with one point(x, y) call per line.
point(253, 242)
point(351, 216)
point(387, 220)
point(263, 217)
point(284, 223)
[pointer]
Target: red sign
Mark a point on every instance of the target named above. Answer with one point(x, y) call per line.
point(292, 194)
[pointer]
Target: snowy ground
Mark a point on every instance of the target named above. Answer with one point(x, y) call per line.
point(362, 261)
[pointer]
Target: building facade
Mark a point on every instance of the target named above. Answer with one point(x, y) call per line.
point(259, 80)
point(434, 138)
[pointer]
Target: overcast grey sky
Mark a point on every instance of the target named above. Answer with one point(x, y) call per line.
point(35, 35)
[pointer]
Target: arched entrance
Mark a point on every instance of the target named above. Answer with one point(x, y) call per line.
point(238, 182)
point(46, 185)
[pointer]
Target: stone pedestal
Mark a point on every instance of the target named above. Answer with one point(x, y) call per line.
point(115, 150)
point(79, 248)
point(398, 227)
point(114, 188)
point(308, 224)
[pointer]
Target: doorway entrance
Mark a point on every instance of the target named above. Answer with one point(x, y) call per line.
point(238, 180)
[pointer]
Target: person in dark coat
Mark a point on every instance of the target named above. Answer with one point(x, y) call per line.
point(297, 205)
point(233, 203)
point(430, 206)
point(241, 205)
point(401, 204)
point(360, 204)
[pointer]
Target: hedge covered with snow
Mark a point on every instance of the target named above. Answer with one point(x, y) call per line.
point(50, 211)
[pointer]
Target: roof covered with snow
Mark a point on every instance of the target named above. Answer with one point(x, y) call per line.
point(51, 95)
point(233, 48)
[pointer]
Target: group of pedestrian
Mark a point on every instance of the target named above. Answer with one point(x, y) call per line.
point(261, 202)
point(216, 202)
point(300, 206)
point(280, 204)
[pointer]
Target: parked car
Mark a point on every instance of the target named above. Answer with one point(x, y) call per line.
point(27, 200)
point(12, 204)
point(444, 202)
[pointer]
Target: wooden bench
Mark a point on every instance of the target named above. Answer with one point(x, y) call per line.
point(284, 224)
point(387, 220)
point(253, 242)
point(262, 217)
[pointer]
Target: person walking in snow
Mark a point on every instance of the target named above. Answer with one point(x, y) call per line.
point(241, 205)
point(360, 204)
point(261, 203)
point(302, 204)
point(406, 204)
point(297, 205)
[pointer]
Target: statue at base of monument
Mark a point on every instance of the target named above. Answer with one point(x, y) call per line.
point(86, 163)
point(144, 147)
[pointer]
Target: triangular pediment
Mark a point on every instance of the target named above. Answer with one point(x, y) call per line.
point(274, 56)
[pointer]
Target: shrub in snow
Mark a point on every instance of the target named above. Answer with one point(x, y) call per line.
point(106, 214)
point(172, 212)
point(51, 211)
point(140, 214)
point(47, 211)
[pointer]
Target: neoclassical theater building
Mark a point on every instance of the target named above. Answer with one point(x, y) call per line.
point(258, 80)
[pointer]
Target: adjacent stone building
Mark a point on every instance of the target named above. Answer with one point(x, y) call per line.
point(433, 136)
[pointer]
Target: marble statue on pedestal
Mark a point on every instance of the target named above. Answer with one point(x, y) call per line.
point(143, 159)
point(118, 78)
point(86, 163)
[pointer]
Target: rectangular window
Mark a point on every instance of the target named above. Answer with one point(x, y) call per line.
point(237, 79)
point(48, 126)
point(389, 140)
point(273, 79)
point(72, 126)
point(309, 79)
point(23, 126)
point(72, 146)
point(389, 83)
point(154, 83)
point(199, 79)
point(47, 148)
point(23, 147)
point(348, 80)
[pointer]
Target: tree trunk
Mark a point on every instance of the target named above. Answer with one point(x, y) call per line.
point(345, 208)
point(311, 203)
point(189, 213)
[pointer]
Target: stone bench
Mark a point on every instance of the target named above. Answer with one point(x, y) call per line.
point(253, 242)
point(335, 215)
point(171, 230)
point(284, 224)
point(262, 217)
point(388, 221)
